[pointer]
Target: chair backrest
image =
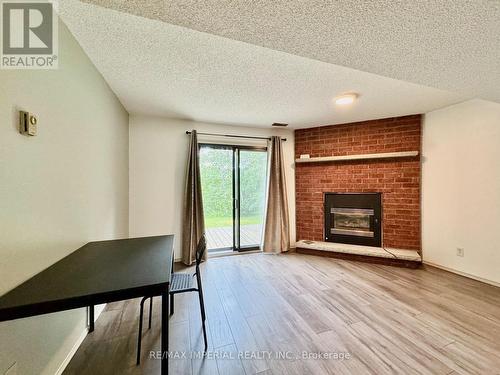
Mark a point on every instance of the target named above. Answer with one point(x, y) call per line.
point(200, 249)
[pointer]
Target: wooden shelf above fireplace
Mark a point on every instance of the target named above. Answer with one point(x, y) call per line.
point(383, 155)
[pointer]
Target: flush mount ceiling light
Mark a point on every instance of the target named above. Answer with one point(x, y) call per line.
point(346, 99)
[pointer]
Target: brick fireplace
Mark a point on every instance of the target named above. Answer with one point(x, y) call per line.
point(396, 179)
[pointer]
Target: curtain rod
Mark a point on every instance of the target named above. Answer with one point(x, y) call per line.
point(234, 136)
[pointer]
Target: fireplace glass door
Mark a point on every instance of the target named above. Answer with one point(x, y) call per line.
point(353, 221)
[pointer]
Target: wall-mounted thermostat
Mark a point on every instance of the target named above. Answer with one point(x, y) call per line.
point(27, 123)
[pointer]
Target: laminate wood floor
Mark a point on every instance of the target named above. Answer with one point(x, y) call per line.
point(389, 320)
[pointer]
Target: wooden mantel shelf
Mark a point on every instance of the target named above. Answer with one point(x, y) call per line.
point(383, 155)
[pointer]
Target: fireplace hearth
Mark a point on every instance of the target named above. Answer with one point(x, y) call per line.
point(353, 218)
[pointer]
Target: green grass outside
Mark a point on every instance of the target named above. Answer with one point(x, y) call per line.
point(216, 221)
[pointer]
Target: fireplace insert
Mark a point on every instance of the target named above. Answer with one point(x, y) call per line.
point(353, 218)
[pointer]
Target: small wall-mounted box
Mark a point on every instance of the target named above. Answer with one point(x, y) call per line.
point(27, 123)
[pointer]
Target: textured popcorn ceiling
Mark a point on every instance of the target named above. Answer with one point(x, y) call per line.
point(447, 44)
point(161, 69)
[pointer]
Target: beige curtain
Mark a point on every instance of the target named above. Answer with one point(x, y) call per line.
point(193, 222)
point(276, 237)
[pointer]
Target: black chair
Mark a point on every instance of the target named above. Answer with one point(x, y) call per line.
point(180, 283)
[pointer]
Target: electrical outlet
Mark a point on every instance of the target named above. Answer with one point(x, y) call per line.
point(460, 251)
point(27, 123)
point(12, 370)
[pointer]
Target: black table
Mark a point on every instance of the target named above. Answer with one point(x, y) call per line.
point(99, 272)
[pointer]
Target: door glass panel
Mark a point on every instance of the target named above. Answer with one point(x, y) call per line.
point(252, 184)
point(352, 221)
point(216, 167)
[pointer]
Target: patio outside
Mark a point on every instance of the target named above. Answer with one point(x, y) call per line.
point(220, 237)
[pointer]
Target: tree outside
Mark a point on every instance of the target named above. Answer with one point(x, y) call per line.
point(216, 181)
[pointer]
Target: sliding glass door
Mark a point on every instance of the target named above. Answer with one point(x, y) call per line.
point(233, 180)
point(252, 196)
point(216, 167)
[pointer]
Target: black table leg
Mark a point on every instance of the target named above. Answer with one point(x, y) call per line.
point(164, 332)
point(91, 318)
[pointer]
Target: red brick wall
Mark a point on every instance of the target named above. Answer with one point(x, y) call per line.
point(397, 179)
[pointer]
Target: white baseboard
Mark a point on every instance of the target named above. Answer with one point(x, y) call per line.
point(72, 352)
point(465, 274)
point(98, 310)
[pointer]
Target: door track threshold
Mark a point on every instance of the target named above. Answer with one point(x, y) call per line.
point(224, 253)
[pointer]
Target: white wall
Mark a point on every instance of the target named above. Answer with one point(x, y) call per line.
point(158, 157)
point(58, 190)
point(461, 188)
